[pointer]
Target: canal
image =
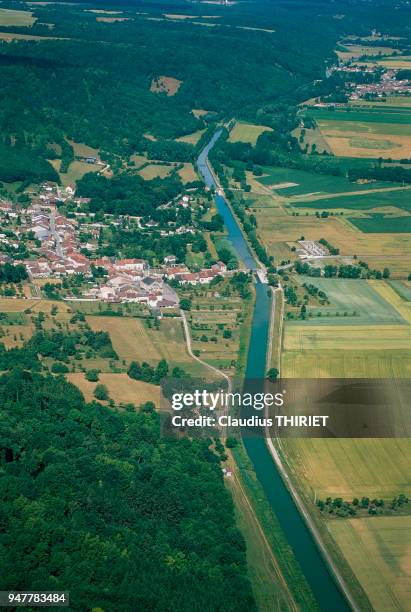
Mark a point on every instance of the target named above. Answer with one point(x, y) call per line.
point(326, 591)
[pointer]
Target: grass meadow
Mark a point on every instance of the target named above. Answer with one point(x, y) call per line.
point(247, 132)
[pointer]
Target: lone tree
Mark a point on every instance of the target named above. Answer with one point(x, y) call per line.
point(272, 374)
point(185, 304)
point(101, 392)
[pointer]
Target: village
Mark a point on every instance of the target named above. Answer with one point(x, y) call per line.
point(57, 252)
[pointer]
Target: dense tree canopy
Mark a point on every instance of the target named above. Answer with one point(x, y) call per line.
point(96, 503)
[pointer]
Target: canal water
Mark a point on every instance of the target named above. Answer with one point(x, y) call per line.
point(322, 583)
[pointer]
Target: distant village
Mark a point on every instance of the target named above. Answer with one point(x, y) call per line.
point(58, 253)
point(384, 84)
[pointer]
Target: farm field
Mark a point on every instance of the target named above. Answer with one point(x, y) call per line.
point(83, 150)
point(288, 182)
point(355, 51)
point(348, 468)
point(378, 550)
point(20, 304)
point(361, 117)
point(10, 17)
point(15, 334)
point(366, 133)
point(360, 300)
point(75, 171)
point(398, 198)
point(399, 62)
point(380, 223)
point(403, 288)
point(352, 139)
point(276, 229)
point(317, 337)
point(392, 102)
point(347, 363)
point(121, 388)
point(133, 341)
point(152, 171)
point(205, 324)
point(191, 138)
point(9, 36)
point(187, 173)
point(389, 294)
point(247, 132)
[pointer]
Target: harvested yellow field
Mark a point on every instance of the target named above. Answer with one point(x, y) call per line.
point(83, 150)
point(396, 63)
point(9, 36)
point(346, 337)
point(165, 84)
point(133, 341)
point(75, 171)
point(348, 468)
point(276, 228)
point(379, 551)
point(16, 305)
point(130, 337)
point(334, 363)
point(366, 139)
point(138, 160)
point(187, 173)
point(355, 51)
point(46, 306)
point(191, 138)
point(362, 144)
point(15, 335)
point(10, 17)
point(121, 388)
point(247, 132)
point(153, 171)
point(199, 112)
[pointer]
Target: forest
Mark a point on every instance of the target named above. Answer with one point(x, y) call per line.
point(95, 502)
point(90, 81)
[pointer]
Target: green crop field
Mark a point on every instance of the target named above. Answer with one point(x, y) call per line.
point(357, 298)
point(288, 182)
point(361, 115)
point(367, 201)
point(402, 288)
point(378, 550)
point(380, 223)
point(247, 132)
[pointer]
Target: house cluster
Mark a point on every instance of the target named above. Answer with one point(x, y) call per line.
point(64, 247)
point(388, 85)
point(183, 275)
point(131, 280)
